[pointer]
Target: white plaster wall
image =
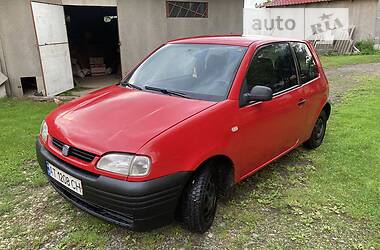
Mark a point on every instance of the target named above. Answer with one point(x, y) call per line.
point(362, 14)
point(143, 25)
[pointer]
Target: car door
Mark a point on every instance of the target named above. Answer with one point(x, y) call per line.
point(269, 129)
point(312, 84)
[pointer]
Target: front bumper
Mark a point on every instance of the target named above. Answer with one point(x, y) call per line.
point(139, 206)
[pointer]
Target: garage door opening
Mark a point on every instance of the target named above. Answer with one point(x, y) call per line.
point(94, 45)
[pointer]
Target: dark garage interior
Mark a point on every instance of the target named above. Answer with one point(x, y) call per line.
point(94, 45)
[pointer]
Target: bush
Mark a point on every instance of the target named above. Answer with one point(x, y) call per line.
point(366, 47)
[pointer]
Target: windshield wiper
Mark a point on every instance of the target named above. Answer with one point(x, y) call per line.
point(131, 85)
point(167, 91)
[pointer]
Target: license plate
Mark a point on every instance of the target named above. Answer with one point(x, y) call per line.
point(65, 179)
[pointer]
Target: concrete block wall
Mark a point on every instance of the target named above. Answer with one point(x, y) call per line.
point(20, 52)
point(2, 91)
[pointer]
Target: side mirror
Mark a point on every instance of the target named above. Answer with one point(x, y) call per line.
point(259, 94)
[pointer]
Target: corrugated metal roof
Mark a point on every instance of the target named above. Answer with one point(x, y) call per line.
point(277, 3)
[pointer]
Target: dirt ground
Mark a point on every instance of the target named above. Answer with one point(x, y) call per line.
point(347, 77)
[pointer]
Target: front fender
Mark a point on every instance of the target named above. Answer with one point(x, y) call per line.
point(187, 145)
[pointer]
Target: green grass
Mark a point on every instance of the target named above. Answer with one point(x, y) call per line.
point(346, 181)
point(329, 62)
point(349, 161)
point(327, 198)
point(366, 47)
point(19, 125)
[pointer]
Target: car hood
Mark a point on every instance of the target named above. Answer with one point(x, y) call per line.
point(118, 119)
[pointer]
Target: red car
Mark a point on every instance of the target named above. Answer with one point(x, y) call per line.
point(195, 117)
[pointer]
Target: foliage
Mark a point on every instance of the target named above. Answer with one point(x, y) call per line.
point(366, 47)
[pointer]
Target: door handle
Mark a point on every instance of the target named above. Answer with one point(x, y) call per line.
point(301, 102)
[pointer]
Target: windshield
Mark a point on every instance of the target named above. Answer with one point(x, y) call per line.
point(199, 71)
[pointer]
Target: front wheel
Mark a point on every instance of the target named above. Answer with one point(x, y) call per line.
point(318, 133)
point(199, 202)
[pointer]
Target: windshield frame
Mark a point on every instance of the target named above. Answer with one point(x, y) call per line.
point(194, 96)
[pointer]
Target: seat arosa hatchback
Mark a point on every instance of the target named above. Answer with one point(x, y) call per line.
point(195, 117)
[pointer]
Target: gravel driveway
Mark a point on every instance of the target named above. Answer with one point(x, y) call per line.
point(347, 77)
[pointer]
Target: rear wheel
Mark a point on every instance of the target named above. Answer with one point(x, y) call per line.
point(199, 202)
point(318, 133)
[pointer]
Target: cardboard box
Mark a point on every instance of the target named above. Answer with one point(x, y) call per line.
point(96, 60)
point(98, 70)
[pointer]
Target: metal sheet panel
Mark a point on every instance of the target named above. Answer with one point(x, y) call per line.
point(50, 23)
point(52, 39)
point(56, 67)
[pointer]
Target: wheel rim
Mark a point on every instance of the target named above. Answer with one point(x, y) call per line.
point(209, 201)
point(319, 129)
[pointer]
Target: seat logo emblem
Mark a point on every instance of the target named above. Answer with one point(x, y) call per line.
point(65, 150)
point(235, 129)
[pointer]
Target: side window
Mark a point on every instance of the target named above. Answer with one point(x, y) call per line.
point(272, 66)
point(308, 67)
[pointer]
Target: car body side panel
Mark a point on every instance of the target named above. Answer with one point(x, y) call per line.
point(268, 129)
point(316, 95)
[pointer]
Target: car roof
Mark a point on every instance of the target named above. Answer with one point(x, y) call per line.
point(233, 40)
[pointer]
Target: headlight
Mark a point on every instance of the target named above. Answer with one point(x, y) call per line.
point(125, 164)
point(44, 131)
point(140, 166)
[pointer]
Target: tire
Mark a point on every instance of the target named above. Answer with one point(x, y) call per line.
point(318, 133)
point(199, 202)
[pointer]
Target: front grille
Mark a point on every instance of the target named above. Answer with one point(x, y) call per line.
point(75, 152)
